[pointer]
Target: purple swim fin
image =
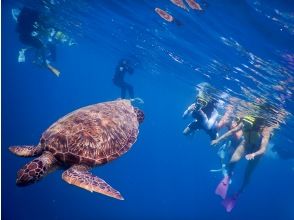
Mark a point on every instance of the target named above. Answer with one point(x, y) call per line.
point(229, 203)
point(222, 187)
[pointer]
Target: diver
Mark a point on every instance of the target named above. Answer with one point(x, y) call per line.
point(122, 68)
point(256, 134)
point(204, 111)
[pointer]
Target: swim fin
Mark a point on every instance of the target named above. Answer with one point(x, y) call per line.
point(137, 100)
point(53, 69)
point(229, 203)
point(222, 187)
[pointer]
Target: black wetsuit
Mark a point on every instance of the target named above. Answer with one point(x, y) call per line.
point(118, 79)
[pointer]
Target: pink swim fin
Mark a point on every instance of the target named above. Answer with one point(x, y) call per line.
point(229, 203)
point(222, 187)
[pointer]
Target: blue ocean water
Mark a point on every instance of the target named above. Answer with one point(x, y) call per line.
point(244, 48)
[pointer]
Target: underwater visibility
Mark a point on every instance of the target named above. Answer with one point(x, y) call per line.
point(139, 109)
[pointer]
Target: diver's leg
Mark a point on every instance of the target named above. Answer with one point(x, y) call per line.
point(120, 84)
point(128, 88)
point(131, 91)
point(123, 92)
point(248, 172)
point(237, 155)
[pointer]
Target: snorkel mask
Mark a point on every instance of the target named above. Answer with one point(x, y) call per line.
point(248, 122)
point(200, 103)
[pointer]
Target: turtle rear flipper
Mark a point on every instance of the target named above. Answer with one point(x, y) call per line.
point(26, 150)
point(78, 175)
point(36, 169)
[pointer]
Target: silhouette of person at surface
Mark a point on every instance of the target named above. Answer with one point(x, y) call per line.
point(122, 68)
point(32, 31)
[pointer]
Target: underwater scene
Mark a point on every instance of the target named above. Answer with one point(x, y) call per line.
point(147, 109)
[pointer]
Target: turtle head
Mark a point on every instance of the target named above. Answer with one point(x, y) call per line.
point(140, 115)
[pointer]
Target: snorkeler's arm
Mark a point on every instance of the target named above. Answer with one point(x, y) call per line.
point(188, 110)
point(227, 134)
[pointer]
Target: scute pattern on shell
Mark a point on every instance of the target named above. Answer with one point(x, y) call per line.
point(94, 134)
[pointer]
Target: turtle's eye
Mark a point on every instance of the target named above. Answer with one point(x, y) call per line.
point(42, 141)
point(140, 115)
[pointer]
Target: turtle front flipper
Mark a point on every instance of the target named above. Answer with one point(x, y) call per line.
point(78, 175)
point(36, 169)
point(26, 151)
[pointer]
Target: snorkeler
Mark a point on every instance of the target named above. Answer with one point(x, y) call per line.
point(34, 34)
point(226, 150)
point(256, 137)
point(122, 68)
point(204, 112)
point(29, 27)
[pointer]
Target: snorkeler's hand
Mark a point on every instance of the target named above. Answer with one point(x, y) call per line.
point(250, 156)
point(192, 107)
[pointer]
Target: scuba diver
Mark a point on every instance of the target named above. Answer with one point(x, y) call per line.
point(256, 136)
point(36, 34)
point(204, 112)
point(121, 69)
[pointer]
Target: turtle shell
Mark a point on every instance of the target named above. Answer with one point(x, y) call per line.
point(93, 135)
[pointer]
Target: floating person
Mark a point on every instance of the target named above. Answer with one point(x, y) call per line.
point(256, 135)
point(180, 3)
point(35, 32)
point(204, 112)
point(166, 16)
point(194, 5)
point(105, 136)
point(29, 27)
point(123, 67)
point(225, 152)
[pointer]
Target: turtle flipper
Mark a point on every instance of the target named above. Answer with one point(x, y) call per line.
point(26, 151)
point(78, 175)
point(36, 169)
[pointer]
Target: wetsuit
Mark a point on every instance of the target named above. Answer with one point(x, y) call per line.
point(118, 79)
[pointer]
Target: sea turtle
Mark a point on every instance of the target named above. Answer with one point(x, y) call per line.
point(83, 139)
